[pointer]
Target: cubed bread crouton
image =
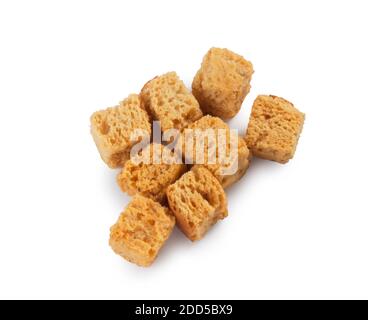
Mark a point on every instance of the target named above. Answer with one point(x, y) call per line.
point(141, 231)
point(168, 100)
point(211, 144)
point(152, 174)
point(198, 201)
point(274, 128)
point(222, 82)
point(112, 128)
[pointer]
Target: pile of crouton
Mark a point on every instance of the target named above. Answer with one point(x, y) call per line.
point(185, 191)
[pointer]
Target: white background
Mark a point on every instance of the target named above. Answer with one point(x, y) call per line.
point(298, 230)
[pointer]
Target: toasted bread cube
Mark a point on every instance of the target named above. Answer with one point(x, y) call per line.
point(150, 178)
point(198, 201)
point(228, 168)
point(141, 231)
point(222, 82)
point(112, 128)
point(168, 100)
point(274, 128)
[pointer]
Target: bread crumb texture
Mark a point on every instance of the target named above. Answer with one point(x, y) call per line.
point(198, 201)
point(168, 100)
point(141, 231)
point(274, 128)
point(231, 164)
point(112, 128)
point(150, 178)
point(222, 82)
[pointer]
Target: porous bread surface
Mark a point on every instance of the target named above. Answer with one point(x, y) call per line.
point(222, 82)
point(168, 100)
point(150, 179)
point(239, 159)
point(198, 201)
point(274, 128)
point(112, 128)
point(141, 231)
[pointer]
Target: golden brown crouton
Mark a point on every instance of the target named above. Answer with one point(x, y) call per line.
point(141, 231)
point(274, 128)
point(227, 169)
point(112, 128)
point(222, 82)
point(198, 201)
point(168, 100)
point(150, 179)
